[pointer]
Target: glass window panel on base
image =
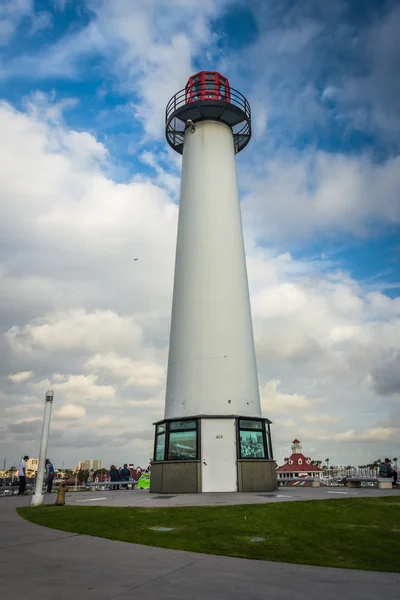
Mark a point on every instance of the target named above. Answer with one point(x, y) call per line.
point(160, 447)
point(174, 425)
point(252, 444)
point(248, 424)
point(182, 445)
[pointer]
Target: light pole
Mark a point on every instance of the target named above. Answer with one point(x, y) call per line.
point(37, 498)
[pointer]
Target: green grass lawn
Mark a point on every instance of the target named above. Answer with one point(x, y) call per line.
point(351, 533)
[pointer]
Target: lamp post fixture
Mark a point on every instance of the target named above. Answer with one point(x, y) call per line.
point(37, 498)
point(327, 463)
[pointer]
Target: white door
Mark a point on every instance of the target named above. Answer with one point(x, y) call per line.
point(218, 447)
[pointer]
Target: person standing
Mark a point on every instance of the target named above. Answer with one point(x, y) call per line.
point(50, 473)
point(125, 475)
point(22, 475)
point(386, 470)
point(114, 476)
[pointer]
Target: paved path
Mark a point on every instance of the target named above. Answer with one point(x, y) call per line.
point(40, 563)
point(144, 498)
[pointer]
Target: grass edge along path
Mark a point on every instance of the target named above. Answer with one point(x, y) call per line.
point(359, 533)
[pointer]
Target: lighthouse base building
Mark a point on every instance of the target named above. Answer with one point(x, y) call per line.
point(205, 454)
point(213, 437)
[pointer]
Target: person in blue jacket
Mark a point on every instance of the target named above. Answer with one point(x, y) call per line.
point(125, 475)
point(50, 474)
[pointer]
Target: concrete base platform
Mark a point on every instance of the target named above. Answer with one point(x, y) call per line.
point(257, 475)
point(175, 477)
point(184, 477)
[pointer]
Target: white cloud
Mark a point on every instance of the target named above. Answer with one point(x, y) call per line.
point(371, 96)
point(76, 329)
point(105, 421)
point(19, 377)
point(70, 412)
point(59, 377)
point(377, 434)
point(22, 408)
point(58, 208)
point(11, 13)
point(290, 423)
point(134, 373)
point(136, 42)
point(157, 61)
point(318, 191)
point(274, 401)
point(40, 20)
point(322, 418)
point(81, 388)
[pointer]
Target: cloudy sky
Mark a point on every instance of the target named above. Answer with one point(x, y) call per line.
point(88, 185)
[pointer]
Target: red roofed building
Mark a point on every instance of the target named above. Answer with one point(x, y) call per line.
point(298, 465)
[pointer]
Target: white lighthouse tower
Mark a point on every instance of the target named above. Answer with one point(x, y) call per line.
point(213, 437)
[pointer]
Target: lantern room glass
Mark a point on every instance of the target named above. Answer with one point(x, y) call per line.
point(207, 85)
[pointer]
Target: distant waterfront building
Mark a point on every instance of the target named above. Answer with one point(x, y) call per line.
point(32, 464)
point(89, 464)
point(298, 465)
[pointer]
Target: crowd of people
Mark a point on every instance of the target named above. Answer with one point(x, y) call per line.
point(50, 475)
point(123, 474)
point(117, 475)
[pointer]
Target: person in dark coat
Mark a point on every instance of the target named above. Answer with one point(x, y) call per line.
point(114, 476)
point(125, 474)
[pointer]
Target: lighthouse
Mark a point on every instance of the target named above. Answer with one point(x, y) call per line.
point(213, 437)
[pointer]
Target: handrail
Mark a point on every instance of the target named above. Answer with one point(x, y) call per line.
point(186, 95)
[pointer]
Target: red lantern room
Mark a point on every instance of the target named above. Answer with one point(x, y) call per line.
point(207, 85)
point(207, 96)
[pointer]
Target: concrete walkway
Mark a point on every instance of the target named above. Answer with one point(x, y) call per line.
point(40, 563)
point(292, 494)
point(145, 499)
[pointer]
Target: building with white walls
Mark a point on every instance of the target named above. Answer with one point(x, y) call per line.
point(89, 464)
point(32, 464)
point(298, 465)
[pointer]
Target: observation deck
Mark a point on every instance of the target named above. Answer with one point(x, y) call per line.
point(208, 96)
